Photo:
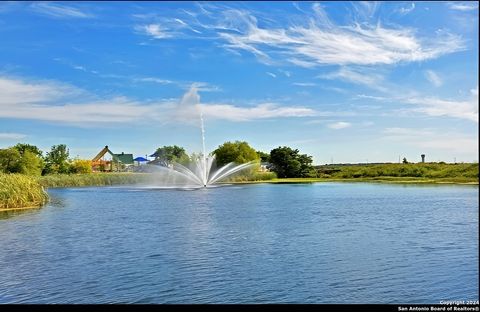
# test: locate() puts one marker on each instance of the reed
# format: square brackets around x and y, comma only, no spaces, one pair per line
[91,179]
[20,191]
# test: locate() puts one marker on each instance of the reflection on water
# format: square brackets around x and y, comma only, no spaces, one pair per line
[317,243]
[54,201]
[17,212]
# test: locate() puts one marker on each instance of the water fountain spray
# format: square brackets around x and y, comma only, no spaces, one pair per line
[198,173]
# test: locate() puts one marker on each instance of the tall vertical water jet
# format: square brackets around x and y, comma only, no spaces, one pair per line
[198,173]
[204,153]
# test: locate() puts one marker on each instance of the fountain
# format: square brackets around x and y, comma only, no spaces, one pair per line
[200,171]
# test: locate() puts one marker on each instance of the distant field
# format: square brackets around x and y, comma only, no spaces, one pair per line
[435,171]
[391,173]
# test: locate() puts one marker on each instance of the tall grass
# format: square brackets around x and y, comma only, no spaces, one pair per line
[92,179]
[420,170]
[20,191]
[256,176]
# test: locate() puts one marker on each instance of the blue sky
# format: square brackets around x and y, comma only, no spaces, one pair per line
[341,81]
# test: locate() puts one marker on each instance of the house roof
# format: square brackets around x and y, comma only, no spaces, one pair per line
[127,159]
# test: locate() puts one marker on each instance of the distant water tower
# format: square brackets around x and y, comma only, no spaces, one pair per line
[423,158]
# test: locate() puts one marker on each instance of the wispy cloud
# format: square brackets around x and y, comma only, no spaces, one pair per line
[154,80]
[312,39]
[285,72]
[304,84]
[323,42]
[12,136]
[463,6]
[371,97]
[339,125]
[407,9]
[262,111]
[432,106]
[465,108]
[272,74]
[364,77]
[434,78]
[401,132]
[54,102]
[59,10]
[154,30]
[429,139]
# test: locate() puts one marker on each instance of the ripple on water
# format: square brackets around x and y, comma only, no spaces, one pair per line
[335,243]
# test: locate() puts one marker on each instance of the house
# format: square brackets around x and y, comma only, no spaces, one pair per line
[108,161]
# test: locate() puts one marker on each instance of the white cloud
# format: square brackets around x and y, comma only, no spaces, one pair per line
[436,107]
[432,106]
[272,74]
[285,72]
[17,92]
[11,136]
[322,42]
[154,30]
[53,102]
[401,132]
[339,125]
[371,97]
[406,10]
[304,84]
[59,11]
[309,39]
[463,6]
[56,102]
[262,111]
[155,80]
[428,139]
[433,78]
[366,78]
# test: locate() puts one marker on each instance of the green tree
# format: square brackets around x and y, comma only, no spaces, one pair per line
[169,154]
[404,160]
[31,163]
[10,160]
[238,152]
[264,157]
[22,147]
[56,160]
[289,163]
[25,162]
[81,166]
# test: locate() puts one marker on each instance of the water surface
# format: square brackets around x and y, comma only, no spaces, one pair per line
[293,243]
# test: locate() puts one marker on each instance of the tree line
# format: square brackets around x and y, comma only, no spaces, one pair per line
[28,159]
[284,161]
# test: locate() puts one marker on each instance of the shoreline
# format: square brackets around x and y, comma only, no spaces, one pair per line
[388,180]
[360,180]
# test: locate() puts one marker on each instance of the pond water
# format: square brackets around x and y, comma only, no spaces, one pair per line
[266,243]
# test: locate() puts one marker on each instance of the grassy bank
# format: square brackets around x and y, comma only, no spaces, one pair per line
[435,171]
[19,191]
[91,179]
[374,179]
[438,173]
